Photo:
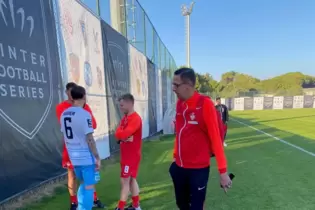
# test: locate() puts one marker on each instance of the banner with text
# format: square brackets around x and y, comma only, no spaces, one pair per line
[298,102]
[30,136]
[139,86]
[82,40]
[288,102]
[276,102]
[152,97]
[268,102]
[248,103]
[238,103]
[117,74]
[258,103]
[309,101]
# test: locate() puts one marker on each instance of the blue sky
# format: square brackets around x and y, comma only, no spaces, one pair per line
[263,38]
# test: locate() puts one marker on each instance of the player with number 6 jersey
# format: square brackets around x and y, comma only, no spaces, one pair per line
[66,163]
[77,129]
[129,136]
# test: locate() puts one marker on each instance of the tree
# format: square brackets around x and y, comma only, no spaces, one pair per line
[233,84]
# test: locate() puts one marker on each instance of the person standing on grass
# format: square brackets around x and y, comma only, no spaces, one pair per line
[77,128]
[66,163]
[224,114]
[129,135]
[197,137]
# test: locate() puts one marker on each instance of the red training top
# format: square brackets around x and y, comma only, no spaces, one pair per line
[197,134]
[130,125]
[60,108]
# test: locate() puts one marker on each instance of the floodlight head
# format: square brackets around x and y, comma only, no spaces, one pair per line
[184,10]
[187,10]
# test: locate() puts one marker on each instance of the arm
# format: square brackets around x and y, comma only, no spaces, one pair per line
[220,123]
[227,116]
[175,142]
[59,111]
[211,120]
[88,108]
[88,130]
[133,125]
[175,148]
[92,145]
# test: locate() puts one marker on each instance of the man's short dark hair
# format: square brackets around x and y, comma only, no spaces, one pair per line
[70,85]
[218,98]
[127,97]
[186,74]
[78,92]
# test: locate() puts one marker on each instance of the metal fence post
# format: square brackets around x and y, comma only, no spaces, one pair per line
[145,34]
[153,47]
[98,8]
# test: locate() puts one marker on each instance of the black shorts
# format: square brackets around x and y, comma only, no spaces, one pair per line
[190,186]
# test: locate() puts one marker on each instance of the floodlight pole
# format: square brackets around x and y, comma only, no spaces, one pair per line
[186,12]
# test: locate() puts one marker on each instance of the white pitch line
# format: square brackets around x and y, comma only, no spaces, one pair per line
[276,138]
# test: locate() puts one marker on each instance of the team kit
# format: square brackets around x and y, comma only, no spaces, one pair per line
[81,159]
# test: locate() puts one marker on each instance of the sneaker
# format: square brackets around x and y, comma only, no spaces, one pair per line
[73,206]
[225,145]
[129,207]
[98,204]
[132,208]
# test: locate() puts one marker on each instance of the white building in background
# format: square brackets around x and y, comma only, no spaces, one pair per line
[309,91]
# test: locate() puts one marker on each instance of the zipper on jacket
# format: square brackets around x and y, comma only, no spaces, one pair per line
[179,136]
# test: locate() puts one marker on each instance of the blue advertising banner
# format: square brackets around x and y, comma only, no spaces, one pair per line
[30,136]
[152,97]
[117,74]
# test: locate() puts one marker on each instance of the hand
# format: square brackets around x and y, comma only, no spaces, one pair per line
[225,181]
[98,164]
[130,139]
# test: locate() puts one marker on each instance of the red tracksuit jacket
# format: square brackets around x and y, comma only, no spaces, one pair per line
[130,125]
[197,134]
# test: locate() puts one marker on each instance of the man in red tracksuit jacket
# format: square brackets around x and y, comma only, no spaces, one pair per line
[66,163]
[129,136]
[197,137]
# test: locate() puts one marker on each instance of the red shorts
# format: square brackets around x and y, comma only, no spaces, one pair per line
[129,170]
[66,163]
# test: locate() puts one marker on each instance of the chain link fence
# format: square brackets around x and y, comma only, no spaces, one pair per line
[137,27]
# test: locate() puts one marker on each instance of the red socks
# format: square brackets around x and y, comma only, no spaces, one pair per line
[121,205]
[73,199]
[135,201]
[95,196]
